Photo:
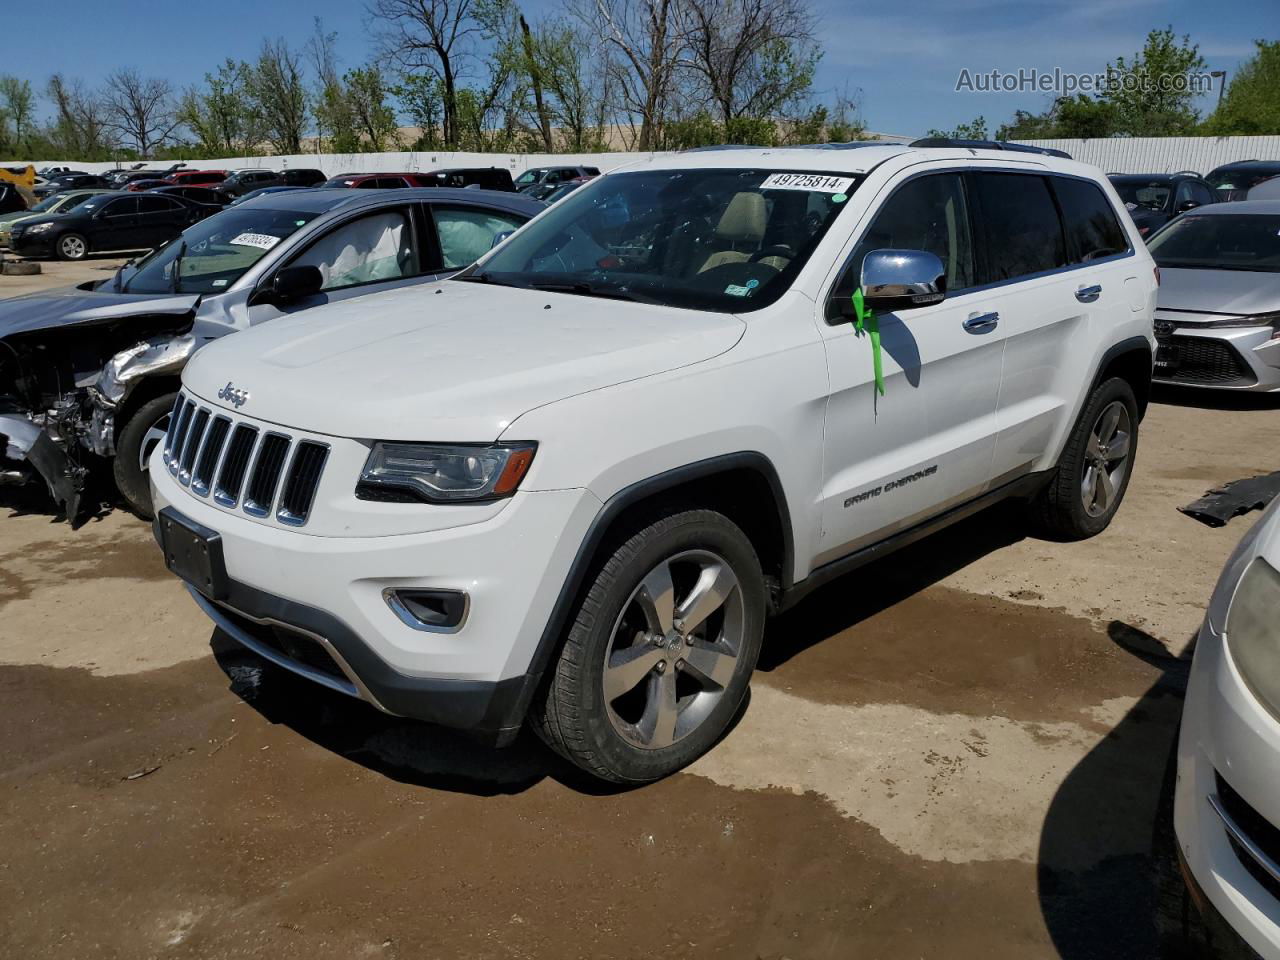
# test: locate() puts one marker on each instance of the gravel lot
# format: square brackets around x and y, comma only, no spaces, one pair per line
[958,753]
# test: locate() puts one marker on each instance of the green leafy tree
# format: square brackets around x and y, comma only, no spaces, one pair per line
[17,114]
[1251,105]
[281,96]
[375,121]
[975,129]
[422,103]
[1151,95]
[222,115]
[1079,117]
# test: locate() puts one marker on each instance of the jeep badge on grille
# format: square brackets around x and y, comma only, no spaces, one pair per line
[233,395]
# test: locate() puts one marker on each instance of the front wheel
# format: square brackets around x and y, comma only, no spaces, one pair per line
[72,246]
[1094,470]
[660,652]
[135,442]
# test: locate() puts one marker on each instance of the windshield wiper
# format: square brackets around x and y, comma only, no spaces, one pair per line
[175,272]
[585,289]
[483,277]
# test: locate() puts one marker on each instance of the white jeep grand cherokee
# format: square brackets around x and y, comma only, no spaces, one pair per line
[571,484]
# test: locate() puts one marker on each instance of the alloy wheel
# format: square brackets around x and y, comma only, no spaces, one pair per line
[1106,459]
[72,248]
[674,649]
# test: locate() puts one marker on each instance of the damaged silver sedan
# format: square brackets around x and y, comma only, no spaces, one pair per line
[89,375]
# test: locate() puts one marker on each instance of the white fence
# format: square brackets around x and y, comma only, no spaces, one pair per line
[1113,155]
[1165,154]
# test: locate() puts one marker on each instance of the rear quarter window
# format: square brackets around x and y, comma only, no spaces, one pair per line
[1092,228]
[1018,221]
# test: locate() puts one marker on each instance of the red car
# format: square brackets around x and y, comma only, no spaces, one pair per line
[196,178]
[379,181]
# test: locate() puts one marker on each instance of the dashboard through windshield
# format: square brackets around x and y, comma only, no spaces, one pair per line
[729,240]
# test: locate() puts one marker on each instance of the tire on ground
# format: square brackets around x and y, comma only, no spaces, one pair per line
[131,479]
[1058,511]
[570,714]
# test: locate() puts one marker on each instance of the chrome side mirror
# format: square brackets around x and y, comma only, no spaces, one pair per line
[901,279]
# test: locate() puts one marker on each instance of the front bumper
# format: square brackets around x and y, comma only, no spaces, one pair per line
[328,592]
[1231,358]
[1226,805]
[32,245]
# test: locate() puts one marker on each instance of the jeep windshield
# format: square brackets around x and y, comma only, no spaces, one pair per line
[722,239]
[214,253]
[1220,242]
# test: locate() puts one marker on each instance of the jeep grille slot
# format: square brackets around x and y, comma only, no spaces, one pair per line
[301,483]
[265,476]
[179,434]
[174,416]
[192,445]
[202,475]
[227,490]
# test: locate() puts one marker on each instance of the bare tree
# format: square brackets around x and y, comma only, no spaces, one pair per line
[139,110]
[754,57]
[282,95]
[643,35]
[79,124]
[430,35]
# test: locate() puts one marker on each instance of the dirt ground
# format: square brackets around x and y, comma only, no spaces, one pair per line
[958,753]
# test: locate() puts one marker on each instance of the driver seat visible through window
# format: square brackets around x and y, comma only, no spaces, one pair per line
[740,230]
[377,247]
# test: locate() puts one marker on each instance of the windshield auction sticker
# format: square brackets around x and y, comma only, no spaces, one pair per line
[816,182]
[263,240]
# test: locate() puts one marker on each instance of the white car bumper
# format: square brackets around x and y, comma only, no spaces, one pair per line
[330,591]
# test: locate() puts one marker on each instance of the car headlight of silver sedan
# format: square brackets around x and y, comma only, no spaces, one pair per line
[1253,631]
[444,473]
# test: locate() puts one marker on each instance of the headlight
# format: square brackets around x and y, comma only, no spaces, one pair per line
[1253,631]
[444,473]
[1271,320]
[39,227]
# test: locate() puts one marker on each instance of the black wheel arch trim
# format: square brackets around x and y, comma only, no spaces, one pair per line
[556,625]
[1114,352]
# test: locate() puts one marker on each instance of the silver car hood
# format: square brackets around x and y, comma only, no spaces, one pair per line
[1234,293]
[69,306]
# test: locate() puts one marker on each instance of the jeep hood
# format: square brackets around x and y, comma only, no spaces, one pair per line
[1234,293]
[454,361]
[69,306]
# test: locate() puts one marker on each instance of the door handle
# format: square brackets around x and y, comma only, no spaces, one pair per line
[981,322]
[1089,294]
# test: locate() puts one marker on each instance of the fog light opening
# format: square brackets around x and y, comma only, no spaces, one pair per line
[421,609]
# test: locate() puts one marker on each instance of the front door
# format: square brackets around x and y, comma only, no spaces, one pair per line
[893,461]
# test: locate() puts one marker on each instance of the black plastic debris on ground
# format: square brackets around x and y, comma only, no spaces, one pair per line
[1222,503]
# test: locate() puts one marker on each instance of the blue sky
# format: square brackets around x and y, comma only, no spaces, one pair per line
[904,56]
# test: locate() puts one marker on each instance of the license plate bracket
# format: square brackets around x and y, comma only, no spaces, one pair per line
[193,552]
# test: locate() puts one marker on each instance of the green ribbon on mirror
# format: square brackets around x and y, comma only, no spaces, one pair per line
[866,322]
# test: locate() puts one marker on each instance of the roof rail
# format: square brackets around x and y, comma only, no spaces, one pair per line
[845,145]
[1192,173]
[989,145]
[723,146]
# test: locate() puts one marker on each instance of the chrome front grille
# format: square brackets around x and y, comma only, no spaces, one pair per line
[264,473]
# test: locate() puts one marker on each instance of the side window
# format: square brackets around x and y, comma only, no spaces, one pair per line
[372,183]
[1183,195]
[372,248]
[466,234]
[155,204]
[928,213]
[123,207]
[1019,224]
[1092,228]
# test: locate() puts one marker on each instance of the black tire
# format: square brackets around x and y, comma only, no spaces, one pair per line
[571,714]
[72,246]
[131,479]
[1059,510]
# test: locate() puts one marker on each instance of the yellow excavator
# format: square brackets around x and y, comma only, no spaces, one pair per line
[24,178]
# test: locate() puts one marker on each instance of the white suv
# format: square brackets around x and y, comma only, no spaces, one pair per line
[570,485]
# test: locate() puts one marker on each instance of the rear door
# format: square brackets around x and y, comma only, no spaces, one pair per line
[465,233]
[891,462]
[160,219]
[1055,250]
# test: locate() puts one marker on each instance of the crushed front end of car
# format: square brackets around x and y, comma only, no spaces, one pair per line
[68,363]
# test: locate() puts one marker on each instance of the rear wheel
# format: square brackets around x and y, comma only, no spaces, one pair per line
[135,442]
[660,652]
[1094,470]
[72,246]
